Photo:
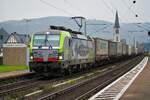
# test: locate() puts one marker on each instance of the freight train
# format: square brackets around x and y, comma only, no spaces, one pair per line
[60,51]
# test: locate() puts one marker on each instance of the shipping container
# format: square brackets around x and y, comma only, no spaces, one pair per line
[112,49]
[140,49]
[129,50]
[119,49]
[101,49]
[124,49]
[136,50]
[132,50]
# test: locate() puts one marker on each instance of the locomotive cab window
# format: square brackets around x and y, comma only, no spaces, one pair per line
[39,40]
[53,40]
[46,40]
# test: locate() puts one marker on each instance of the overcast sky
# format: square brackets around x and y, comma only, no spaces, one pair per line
[92,9]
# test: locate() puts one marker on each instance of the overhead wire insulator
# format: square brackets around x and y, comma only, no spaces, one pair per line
[136,15]
[134,1]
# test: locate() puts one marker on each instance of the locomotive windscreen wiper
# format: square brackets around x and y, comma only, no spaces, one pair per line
[50,46]
[40,46]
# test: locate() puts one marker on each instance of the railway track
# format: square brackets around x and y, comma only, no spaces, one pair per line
[16,90]
[86,88]
[11,87]
[25,86]
[15,78]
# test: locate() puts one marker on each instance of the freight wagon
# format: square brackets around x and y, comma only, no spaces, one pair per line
[124,49]
[129,50]
[119,49]
[132,50]
[101,49]
[112,49]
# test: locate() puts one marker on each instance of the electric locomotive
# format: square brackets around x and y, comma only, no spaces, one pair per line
[60,51]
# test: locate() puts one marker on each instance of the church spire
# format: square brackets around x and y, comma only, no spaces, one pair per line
[116,32]
[116,21]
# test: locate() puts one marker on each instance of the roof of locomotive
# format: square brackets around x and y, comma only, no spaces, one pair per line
[59,29]
[48,31]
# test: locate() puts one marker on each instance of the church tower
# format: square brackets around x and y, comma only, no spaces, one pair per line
[116,32]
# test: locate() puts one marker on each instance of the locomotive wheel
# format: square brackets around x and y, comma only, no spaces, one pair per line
[69,70]
[78,68]
[62,72]
[65,72]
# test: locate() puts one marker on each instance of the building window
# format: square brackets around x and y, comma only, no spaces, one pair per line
[117,31]
[117,38]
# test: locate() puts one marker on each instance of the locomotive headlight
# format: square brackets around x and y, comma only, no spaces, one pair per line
[60,57]
[31,57]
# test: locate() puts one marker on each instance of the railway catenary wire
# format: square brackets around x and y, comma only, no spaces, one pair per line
[59,9]
[79,89]
[122,16]
[140,19]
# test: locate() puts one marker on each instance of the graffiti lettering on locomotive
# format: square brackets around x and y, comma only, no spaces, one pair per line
[79,48]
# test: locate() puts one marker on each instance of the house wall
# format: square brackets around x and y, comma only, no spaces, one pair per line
[15,55]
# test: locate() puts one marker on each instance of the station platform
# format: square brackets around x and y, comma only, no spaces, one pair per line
[140,88]
[13,74]
[134,85]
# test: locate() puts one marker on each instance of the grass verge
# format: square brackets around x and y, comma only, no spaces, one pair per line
[7,68]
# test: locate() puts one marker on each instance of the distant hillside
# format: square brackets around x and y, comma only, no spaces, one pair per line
[104,30]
